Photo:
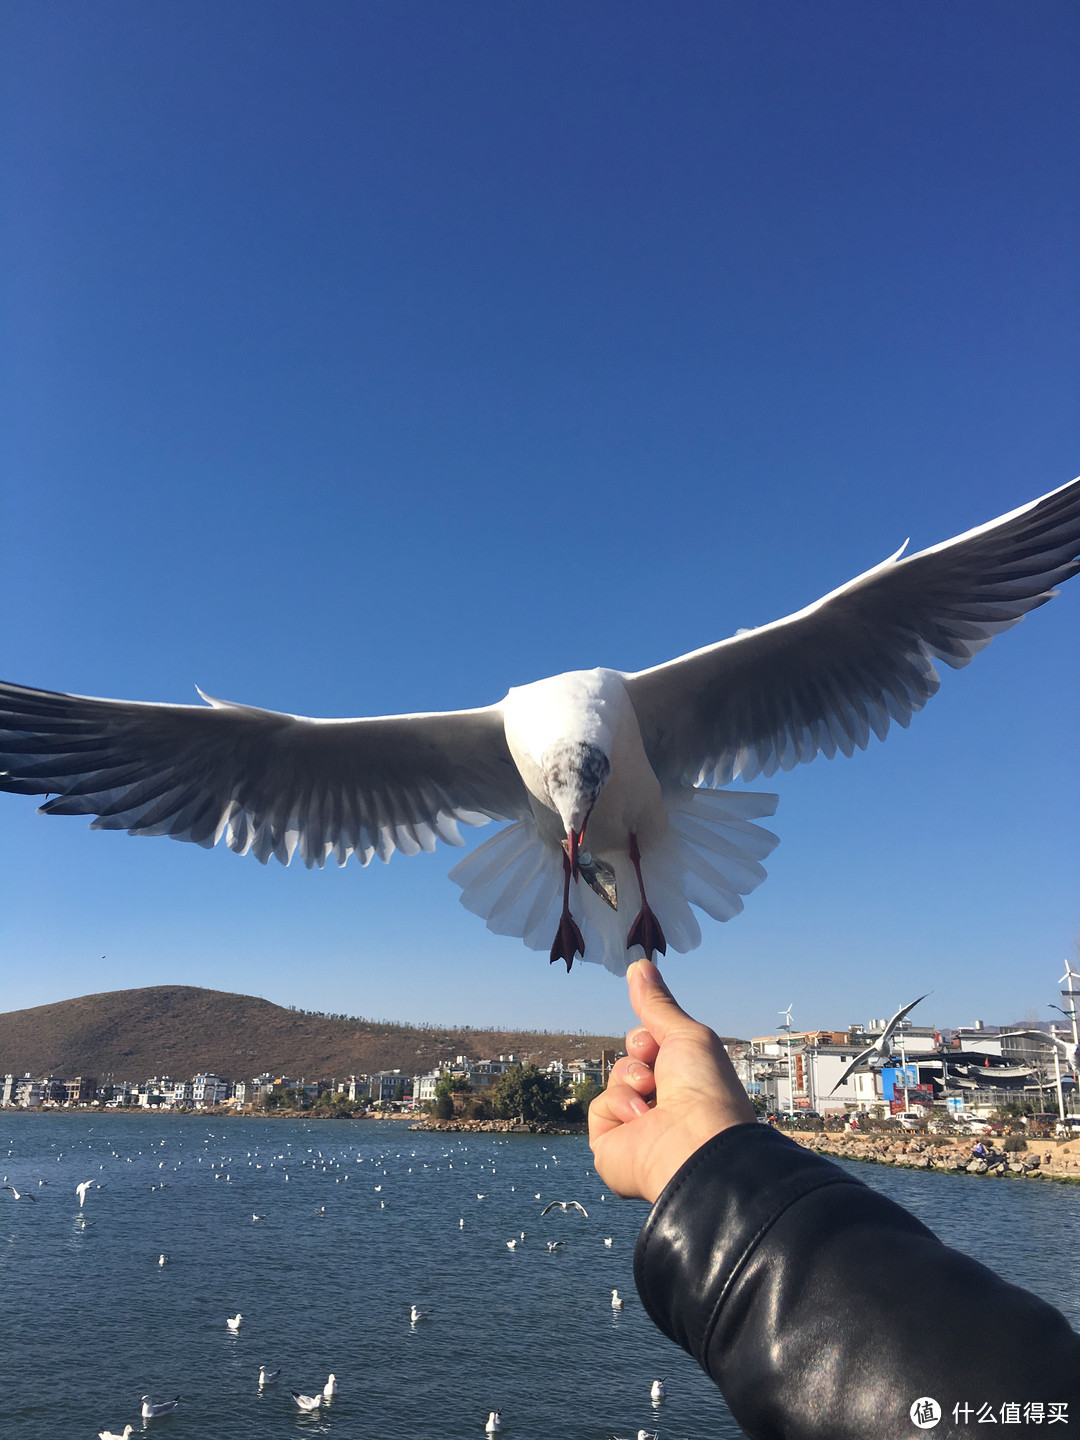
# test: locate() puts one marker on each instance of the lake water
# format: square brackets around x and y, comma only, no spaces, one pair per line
[90,1321]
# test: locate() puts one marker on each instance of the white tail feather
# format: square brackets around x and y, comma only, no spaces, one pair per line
[710,857]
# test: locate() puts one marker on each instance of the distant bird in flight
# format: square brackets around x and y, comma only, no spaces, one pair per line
[628,758]
[564,1206]
[882,1047]
[20,1194]
[81,1190]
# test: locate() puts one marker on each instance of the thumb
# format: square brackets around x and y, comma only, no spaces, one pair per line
[653,1002]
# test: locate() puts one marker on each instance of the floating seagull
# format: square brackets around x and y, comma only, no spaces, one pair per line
[306,1402]
[233,1322]
[624,756]
[81,1190]
[658,1390]
[565,1206]
[111,1435]
[20,1194]
[330,1388]
[554,1245]
[616,1300]
[416,1315]
[256,1217]
[268,1377]
[494,1422]
[151,1412]
[607,1242]
[163,1259]
[882,1048]
[511,1244]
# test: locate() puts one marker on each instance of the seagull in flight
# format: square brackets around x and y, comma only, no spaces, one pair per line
[618,830]
[81,1190]
[565,1206]
[882,1048]
[20,1194]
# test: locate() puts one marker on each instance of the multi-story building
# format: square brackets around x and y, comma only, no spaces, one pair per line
[208,1090]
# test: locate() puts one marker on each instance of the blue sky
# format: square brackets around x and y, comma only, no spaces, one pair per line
[372,358]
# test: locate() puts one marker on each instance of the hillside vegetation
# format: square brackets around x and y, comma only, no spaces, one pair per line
[178,1030]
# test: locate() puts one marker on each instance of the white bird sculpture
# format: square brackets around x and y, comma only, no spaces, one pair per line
[233,1322]
[882,1047]
[81,1190]
[624,757]
[306,1402]
[166,1407]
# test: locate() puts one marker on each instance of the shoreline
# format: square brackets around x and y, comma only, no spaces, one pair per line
[1057,1160]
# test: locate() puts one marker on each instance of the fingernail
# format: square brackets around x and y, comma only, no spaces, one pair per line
[638,1105]
[637,1072]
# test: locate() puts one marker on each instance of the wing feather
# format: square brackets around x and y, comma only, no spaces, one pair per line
[845,668]
[271,784]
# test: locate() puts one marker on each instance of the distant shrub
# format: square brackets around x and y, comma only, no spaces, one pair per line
[1014,1142]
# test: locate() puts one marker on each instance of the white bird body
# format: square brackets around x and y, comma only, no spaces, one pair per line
[20,1194]
[163,1259]
[616,1300]
[494,1422]
[268,1377]
[658,1390]
[233,1322]
[882,1047]
[306,1402]
[111,1435]
[165,1407]
[81,1190]
[605,776]
[416,1314]
[330,1388]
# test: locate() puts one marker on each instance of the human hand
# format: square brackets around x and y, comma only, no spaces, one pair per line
[675,1089]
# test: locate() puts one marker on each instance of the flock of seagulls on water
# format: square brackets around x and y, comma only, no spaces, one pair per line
[339,1169]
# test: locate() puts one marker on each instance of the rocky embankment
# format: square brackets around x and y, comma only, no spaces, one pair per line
[1042,1159]
[497,1127]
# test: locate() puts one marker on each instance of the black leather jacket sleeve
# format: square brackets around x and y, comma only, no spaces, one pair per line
[822,1309]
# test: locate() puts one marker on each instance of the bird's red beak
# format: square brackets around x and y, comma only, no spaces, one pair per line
[574,841]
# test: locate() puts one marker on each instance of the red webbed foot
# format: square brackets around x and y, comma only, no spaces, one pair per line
[568,941]
[646,932]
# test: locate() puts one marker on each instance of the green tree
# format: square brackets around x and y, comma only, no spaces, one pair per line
[444,1106]
[525,1092]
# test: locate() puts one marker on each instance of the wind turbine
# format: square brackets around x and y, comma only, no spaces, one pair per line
[790,1074]
[882,1046]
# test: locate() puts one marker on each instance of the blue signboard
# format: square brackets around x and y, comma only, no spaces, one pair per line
[895,1077]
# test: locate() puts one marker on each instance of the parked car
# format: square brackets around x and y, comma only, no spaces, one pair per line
[909,1119]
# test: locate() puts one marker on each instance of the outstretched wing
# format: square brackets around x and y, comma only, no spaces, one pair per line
[863,1055]
[895,1021]
[827,677]
[270,783]
[576,1205]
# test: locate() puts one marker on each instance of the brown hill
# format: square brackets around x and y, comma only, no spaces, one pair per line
[178,1030]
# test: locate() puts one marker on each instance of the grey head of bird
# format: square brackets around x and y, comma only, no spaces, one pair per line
[574,772]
